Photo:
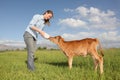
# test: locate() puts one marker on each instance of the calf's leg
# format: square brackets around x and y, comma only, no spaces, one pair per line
[95,63]
[70,59]
[98,59]
[101,64]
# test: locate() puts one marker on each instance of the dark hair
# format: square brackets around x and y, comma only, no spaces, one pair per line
[47,22]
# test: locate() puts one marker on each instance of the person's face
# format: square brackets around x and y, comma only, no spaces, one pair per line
[47,16]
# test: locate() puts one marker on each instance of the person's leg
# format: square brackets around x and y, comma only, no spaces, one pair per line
[35,47]
[30,45]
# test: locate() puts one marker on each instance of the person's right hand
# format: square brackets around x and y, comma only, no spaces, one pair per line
[46,35]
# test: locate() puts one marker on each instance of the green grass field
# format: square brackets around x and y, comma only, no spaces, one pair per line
[52,65]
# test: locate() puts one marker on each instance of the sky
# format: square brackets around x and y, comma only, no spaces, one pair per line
[73,19]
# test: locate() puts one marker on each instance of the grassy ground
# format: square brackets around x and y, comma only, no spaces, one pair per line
[52,65]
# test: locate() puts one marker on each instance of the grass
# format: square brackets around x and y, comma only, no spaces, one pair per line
[52,65]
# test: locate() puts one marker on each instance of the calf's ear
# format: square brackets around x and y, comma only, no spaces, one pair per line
[59,38]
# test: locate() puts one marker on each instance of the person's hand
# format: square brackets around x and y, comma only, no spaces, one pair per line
[46,35]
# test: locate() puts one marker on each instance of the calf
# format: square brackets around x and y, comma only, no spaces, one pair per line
[80,47]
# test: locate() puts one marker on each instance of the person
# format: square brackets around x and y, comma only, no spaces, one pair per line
[34,28]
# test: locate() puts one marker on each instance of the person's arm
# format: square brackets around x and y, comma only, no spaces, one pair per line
[45,35]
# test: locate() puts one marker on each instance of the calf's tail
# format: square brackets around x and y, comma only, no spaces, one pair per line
[100,48]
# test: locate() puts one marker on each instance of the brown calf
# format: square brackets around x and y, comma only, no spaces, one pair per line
[80,47]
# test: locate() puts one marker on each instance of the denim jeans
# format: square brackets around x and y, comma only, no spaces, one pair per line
[31,47]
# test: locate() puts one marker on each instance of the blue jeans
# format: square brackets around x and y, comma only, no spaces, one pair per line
[31,48]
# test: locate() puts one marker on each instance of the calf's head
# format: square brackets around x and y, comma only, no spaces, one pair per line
[56,39]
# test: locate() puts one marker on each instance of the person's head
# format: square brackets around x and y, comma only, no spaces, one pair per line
[47,16]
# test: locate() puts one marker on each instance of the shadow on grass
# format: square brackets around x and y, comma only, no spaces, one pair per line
[63,64]
[75,65]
